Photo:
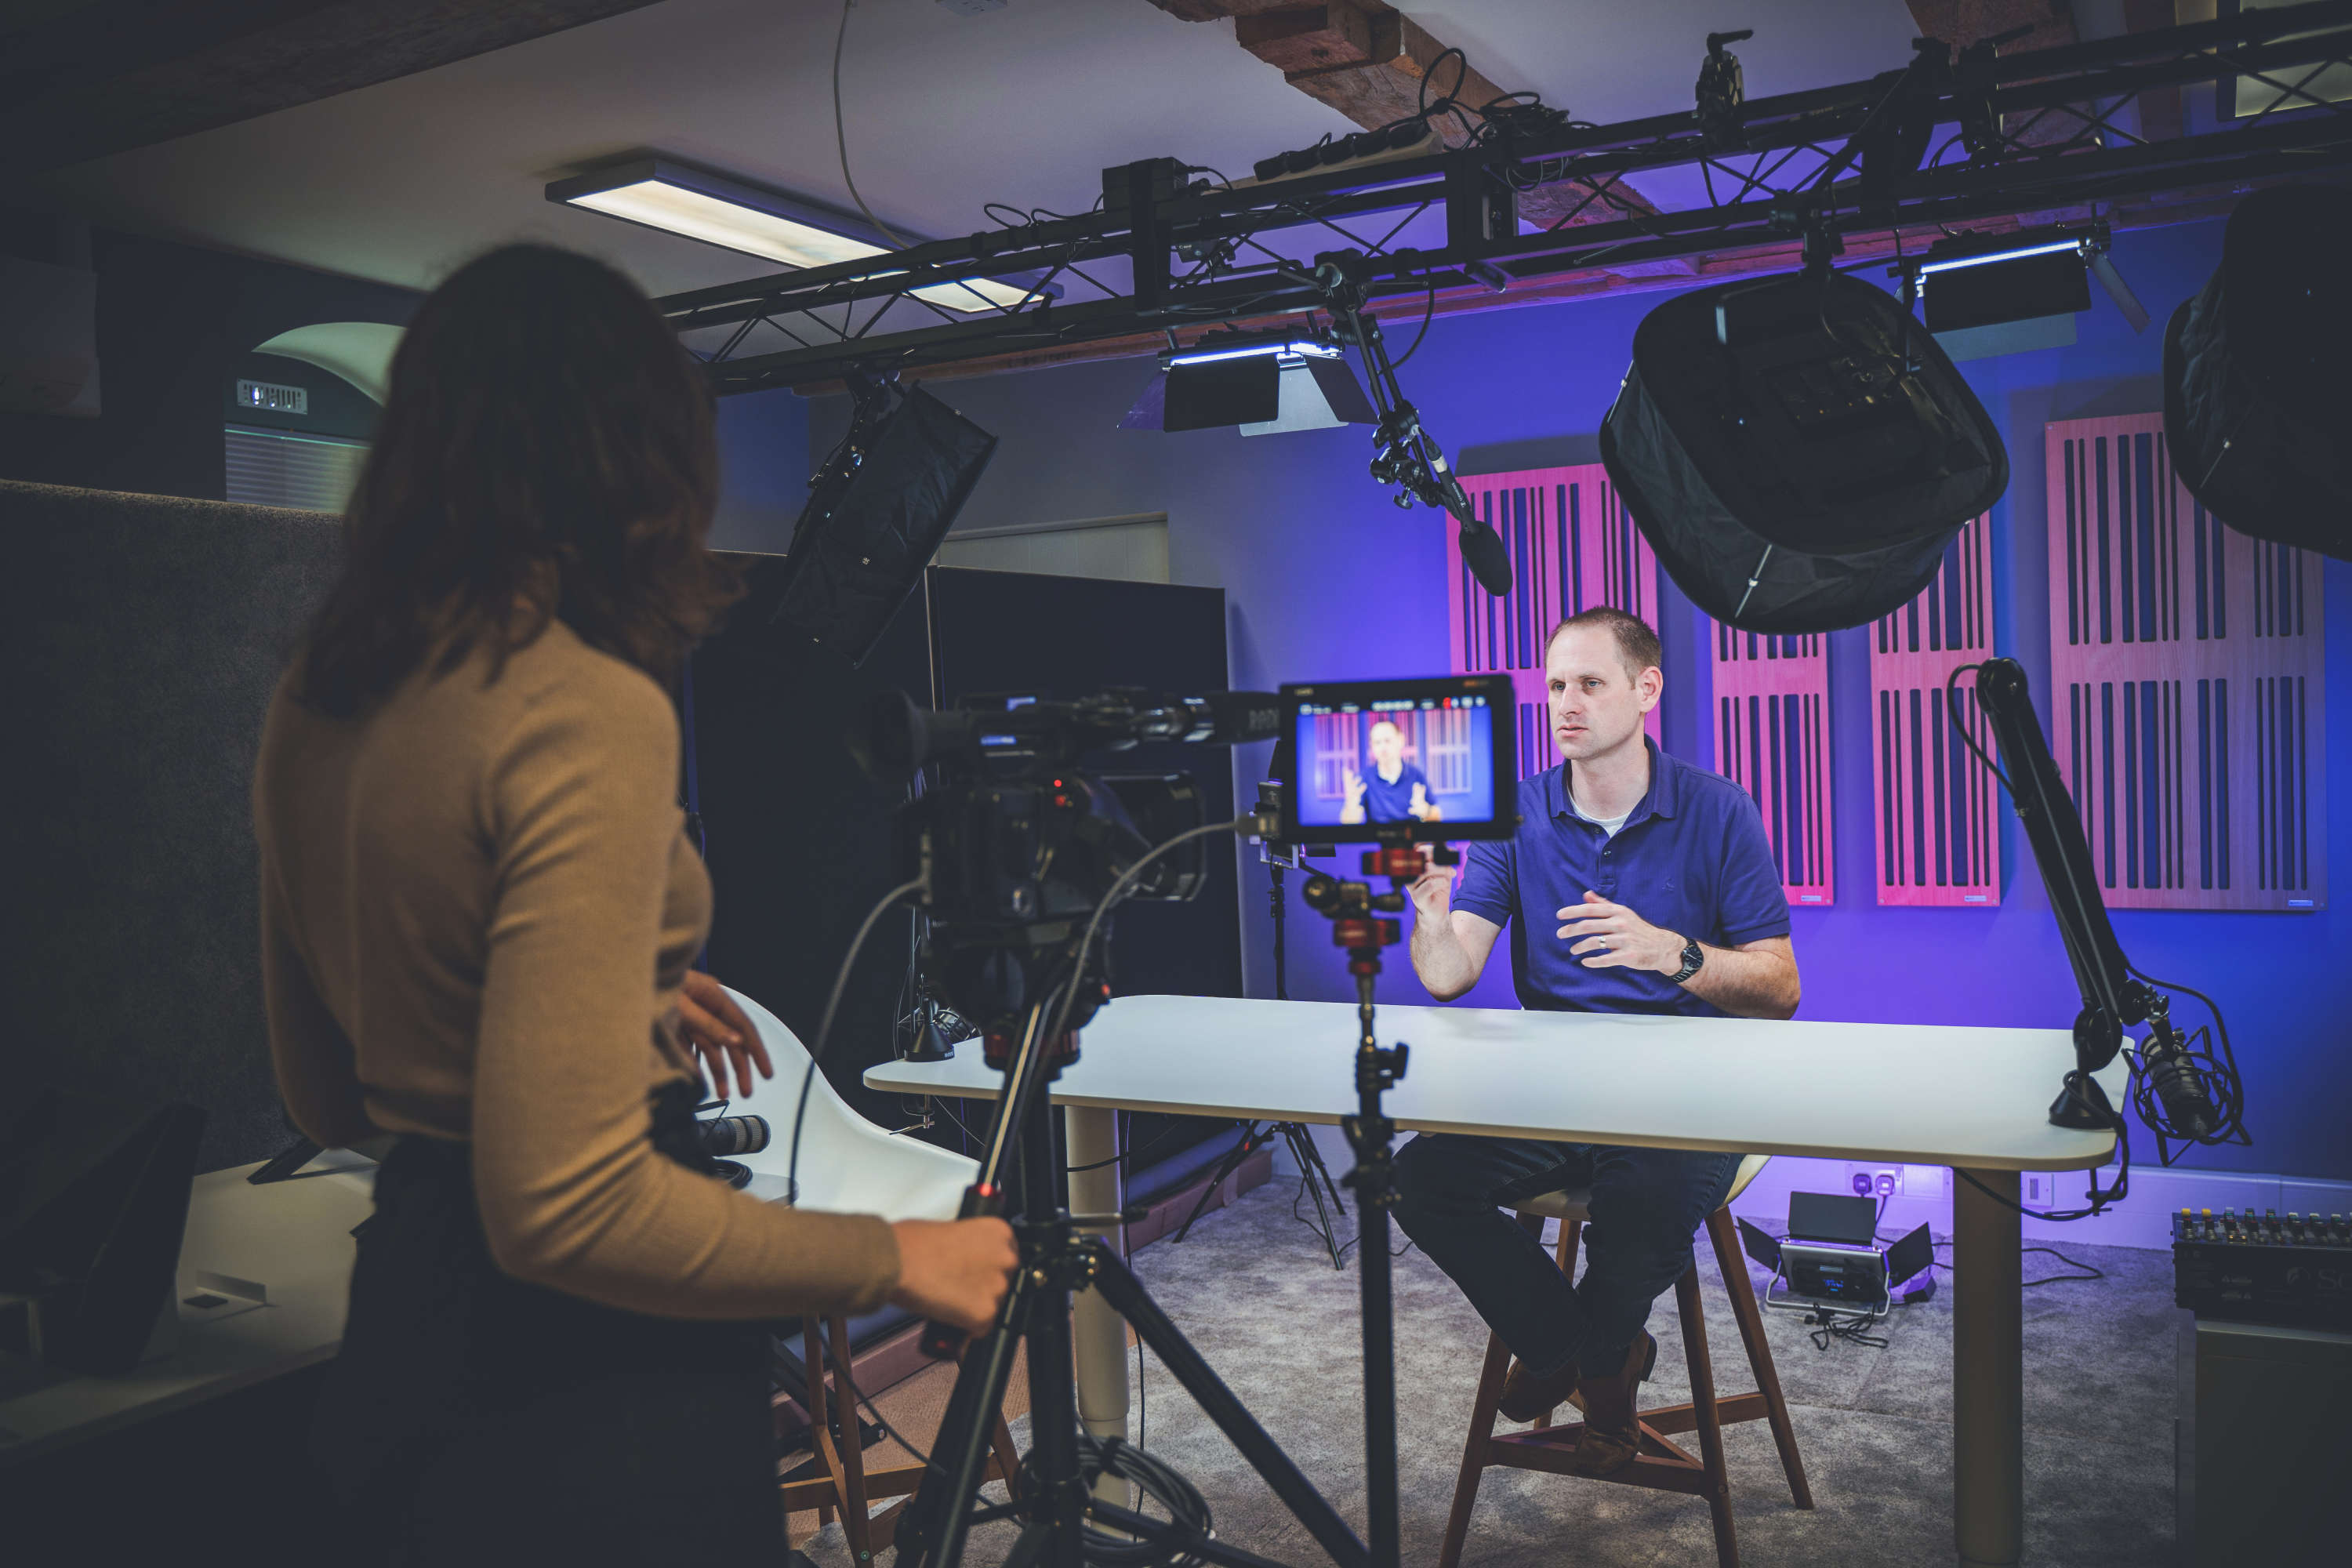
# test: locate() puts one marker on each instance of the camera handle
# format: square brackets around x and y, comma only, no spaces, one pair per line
[1363,922]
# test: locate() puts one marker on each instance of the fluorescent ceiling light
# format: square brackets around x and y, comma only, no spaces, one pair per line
[676,199]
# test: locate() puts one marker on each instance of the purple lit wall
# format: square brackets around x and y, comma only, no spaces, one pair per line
[1325,579]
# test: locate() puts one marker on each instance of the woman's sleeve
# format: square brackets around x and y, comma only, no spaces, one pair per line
[582,811]
[317,1074]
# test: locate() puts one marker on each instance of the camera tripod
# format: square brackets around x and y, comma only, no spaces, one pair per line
[1054,1503]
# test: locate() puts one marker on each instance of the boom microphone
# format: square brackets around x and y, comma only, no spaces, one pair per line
[2178,1086]
[723,1136]
[1483,550]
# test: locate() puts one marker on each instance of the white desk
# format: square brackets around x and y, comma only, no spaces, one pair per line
[1977,1100]
[291,1238]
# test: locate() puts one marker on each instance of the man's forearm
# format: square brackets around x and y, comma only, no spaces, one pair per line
[1440,961]
[1746,984]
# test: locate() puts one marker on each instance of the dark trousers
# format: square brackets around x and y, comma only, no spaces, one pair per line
[1646,1205]
[473,1419]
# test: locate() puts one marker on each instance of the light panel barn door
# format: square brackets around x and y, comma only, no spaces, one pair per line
[2187,698]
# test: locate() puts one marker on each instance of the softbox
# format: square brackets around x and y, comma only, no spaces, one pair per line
[876,516]
[1798,450]
[2257,403]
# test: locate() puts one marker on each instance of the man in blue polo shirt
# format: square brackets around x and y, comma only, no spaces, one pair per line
[1394,789]
[1636,884]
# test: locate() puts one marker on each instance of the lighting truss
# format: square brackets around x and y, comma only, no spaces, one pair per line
[1943,141]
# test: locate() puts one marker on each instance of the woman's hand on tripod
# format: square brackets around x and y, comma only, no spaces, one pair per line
[955,1271]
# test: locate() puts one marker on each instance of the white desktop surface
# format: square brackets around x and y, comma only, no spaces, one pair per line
[1928,1094]
[1976,1099]
[291,1238]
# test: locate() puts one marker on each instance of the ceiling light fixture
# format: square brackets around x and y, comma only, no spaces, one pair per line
[2007,293]
[1263,383]
[655,193]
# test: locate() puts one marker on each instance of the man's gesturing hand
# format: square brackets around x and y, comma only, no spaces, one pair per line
[1611,936]
[955,1271]
[1433,893]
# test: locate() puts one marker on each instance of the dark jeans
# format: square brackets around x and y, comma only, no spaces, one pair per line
[1646,1205]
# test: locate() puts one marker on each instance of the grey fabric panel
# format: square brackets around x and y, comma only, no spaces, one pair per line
[144,635]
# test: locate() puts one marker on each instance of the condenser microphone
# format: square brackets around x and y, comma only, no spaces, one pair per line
[2179,1086]
[1484,553]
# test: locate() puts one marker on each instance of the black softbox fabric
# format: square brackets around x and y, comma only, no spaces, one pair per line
[1798,451]
[876,518]
[2257,403]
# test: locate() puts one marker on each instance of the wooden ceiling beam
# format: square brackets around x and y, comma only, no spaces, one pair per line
[1373,64]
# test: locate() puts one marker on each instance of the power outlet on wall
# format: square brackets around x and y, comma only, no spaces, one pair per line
[2039,1188]
[1897,1181]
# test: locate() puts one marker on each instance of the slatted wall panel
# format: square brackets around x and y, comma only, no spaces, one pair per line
[2188,696]
[1772,739]
[1572,546]
[1938,808]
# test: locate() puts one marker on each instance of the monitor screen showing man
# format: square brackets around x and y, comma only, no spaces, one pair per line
[1401,760]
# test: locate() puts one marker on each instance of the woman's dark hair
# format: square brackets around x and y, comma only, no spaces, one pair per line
[546,452]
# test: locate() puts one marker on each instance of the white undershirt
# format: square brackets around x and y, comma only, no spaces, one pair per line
[1609,826]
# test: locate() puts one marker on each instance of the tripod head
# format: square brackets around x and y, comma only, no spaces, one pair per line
[1360,918]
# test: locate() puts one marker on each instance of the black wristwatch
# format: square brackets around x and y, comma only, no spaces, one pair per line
[1693,956]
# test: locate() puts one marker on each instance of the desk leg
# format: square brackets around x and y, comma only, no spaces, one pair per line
[1090,1136]
[1988,1373]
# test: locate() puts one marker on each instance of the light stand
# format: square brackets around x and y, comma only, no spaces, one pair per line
[1357,924]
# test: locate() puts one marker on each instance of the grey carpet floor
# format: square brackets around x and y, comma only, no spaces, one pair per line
[1252,1290]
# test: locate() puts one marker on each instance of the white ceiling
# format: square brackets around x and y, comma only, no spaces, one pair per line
[401,182]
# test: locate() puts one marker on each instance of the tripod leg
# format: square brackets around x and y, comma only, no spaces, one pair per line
[1126,1293]
[1303,1152]
[931,1531]
[1225,1167]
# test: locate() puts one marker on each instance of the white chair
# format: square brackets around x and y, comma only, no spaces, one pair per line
[848,1165]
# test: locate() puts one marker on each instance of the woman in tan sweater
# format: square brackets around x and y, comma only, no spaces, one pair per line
[478,912]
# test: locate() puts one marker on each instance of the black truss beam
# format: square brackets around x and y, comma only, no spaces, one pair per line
[1993,183]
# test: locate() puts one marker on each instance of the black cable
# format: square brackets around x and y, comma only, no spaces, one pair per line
[824,1028]
[841,138]
[1154,1479]
[1165,1134]
[849,1426]
[1426,313]
[2087,1271]
[1117,891]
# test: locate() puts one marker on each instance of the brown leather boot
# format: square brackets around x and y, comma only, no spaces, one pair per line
[1612,1432]
[1527,1396]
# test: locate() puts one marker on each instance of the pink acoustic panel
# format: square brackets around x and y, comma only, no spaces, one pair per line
[2188,700]
[1772,739]
[1938,808]
[1572,546]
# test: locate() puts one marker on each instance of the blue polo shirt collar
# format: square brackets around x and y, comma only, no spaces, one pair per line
[1662,798]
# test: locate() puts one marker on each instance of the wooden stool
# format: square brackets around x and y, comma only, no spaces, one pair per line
[844,1486]
[1660,1463]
